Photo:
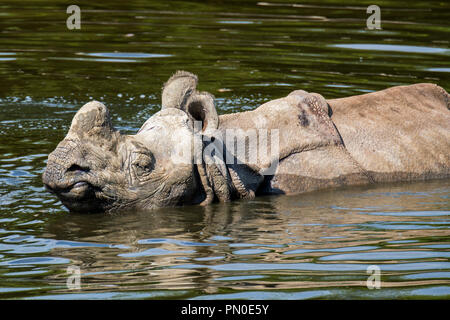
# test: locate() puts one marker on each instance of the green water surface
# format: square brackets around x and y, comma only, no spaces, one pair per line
[316,245]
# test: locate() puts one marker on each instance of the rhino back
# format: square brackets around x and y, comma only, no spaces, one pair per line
[401,133]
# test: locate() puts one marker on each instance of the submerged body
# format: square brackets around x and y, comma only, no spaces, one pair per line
[398,134]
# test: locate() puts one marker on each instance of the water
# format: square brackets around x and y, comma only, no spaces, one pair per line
[316,245]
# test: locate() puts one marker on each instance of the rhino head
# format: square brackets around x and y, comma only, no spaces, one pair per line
[96,168]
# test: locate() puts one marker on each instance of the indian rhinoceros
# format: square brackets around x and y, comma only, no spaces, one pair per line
[182,154]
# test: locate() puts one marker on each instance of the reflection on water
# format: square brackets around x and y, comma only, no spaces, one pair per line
[316,245]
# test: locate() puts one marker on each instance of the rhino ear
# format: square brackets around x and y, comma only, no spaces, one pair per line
[178,89]
[179,92]
[200,107]
[92,120]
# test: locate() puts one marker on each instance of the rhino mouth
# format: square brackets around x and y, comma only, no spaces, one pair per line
[78,197]
[76,191]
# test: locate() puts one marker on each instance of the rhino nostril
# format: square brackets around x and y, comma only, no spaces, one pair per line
[76,167]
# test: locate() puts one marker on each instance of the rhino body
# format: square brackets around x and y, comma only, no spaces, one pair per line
[182,154]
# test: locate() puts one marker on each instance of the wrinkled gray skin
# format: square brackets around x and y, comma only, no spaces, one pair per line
[398,134]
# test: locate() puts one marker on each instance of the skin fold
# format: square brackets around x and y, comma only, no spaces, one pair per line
[184,155]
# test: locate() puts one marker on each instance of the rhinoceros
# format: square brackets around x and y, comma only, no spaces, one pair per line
[183,154]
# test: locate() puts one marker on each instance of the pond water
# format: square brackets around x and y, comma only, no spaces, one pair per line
[316,245]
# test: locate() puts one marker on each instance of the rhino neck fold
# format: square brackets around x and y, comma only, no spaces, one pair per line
[226,181]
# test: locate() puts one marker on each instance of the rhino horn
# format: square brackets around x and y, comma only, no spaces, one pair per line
[92,121]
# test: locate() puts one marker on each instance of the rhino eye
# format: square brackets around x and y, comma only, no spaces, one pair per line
[142,165]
